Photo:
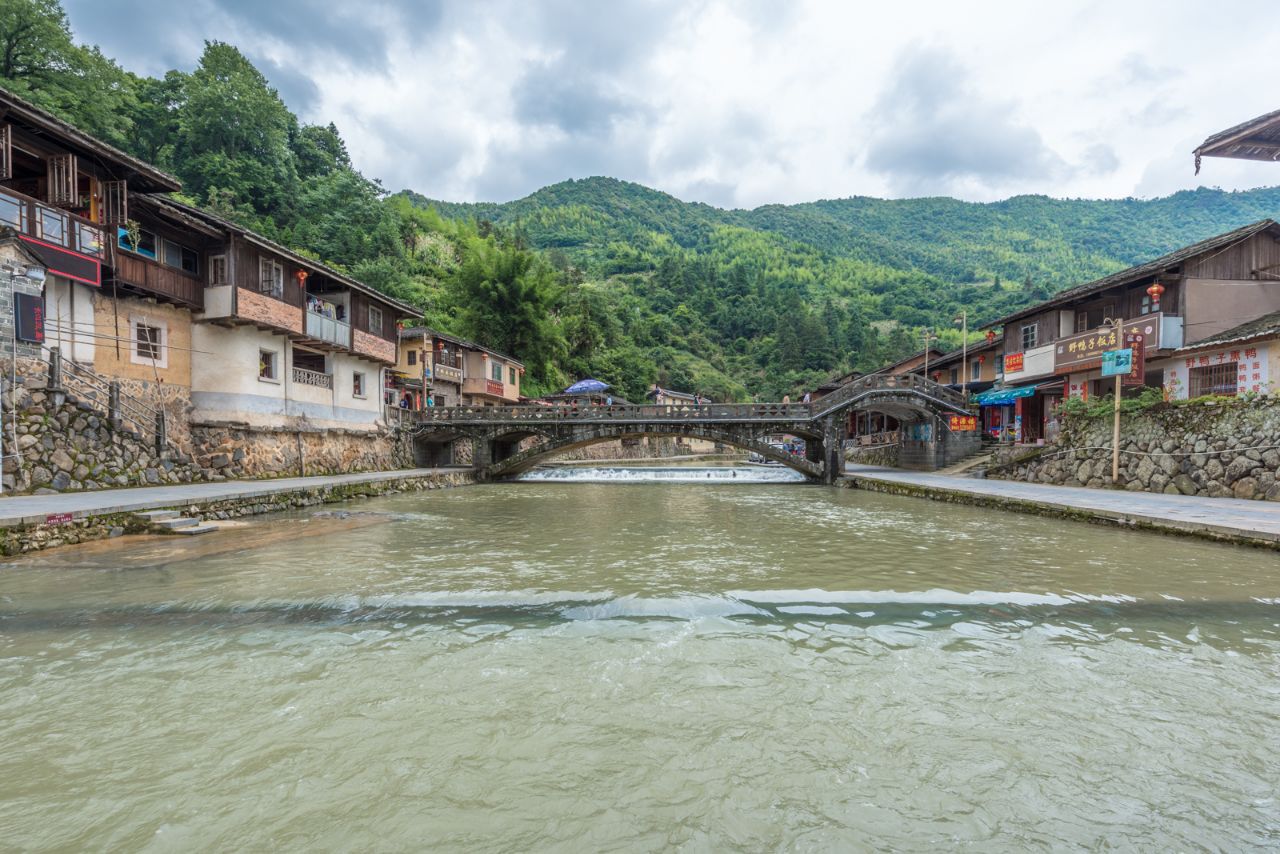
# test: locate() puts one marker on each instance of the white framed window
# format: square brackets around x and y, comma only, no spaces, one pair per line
[357,384]
[375,320]
[975,370]
[1029,336]
[219,274]
[270,277]
[149,342]
[268,366]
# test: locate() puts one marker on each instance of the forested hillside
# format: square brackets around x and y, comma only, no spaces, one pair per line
[601,277]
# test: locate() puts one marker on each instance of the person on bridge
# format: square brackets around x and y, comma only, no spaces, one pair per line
[806,397]
[786,398]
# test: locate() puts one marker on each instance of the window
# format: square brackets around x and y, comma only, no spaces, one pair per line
[975,370]
[148,342]
[145,246]
[88,239]
[413,357]
[1214,379]
[1144,305]
[13,212]
[53,225]
[1029,336]
[177,255]
[218,273]
[270,278]
[496,372]
[268,369]
[375,320]
[511,375]
[357,384]
[1082,321]
[955,375]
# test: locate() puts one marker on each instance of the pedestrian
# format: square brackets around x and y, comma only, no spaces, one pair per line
[608,401]
[806,397]
[786,398]
[405,401]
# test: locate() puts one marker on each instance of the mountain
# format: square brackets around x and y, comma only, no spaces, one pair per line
[1056,242]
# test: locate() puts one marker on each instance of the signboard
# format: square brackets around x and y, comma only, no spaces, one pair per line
[1012,363]
[28,315]
[493,387]
[58,519]
[64,262]
[1083,351]
[1138,372]
[963,423]
[1115,362]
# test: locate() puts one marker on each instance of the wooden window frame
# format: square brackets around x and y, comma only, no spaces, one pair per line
[268,365]
[270,277]
[141,350]
[1035,336]
[6,152]
[216,261]
[359,388]
[375,326]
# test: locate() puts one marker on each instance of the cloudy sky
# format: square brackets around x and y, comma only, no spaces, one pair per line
[746,103]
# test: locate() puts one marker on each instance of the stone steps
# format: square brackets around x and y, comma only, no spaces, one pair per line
[172,522]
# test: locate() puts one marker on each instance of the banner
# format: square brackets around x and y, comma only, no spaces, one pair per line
[1138,373]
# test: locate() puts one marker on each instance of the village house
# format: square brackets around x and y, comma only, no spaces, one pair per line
[236,340]
[1054,349]
[448,371]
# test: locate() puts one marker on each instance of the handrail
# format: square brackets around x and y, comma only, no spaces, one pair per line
[122,409]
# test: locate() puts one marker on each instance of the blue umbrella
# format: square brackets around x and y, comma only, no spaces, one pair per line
[586,387]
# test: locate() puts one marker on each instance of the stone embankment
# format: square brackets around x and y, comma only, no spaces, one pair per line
[52,446]
[230,451]
[1218,449]
[873,455]
[31,526]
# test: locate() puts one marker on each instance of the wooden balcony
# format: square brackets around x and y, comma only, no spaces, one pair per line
[69,246]
[324,331]
[165,282]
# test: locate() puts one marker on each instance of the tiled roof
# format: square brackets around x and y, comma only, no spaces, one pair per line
[1266,326]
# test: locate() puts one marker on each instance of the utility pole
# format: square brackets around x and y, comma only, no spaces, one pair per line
[963,320]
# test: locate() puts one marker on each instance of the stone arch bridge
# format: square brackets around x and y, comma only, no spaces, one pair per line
[497,432]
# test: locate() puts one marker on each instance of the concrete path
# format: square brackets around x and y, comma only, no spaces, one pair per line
[35,509]
[1256,522]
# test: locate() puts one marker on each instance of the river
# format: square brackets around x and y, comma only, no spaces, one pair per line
[581,663]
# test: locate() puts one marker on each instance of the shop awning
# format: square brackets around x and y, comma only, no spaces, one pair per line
[1003,396]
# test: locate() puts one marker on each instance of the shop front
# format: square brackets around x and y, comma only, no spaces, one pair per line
[1022,414]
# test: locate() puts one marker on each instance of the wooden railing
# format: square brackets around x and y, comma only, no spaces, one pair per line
[52,224]
[921,386]
[159,279]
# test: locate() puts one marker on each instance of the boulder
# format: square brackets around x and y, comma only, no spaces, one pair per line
[62,460]
[1183,484]
[61,481]
[1247,488]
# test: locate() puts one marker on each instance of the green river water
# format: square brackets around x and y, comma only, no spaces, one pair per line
[589,666]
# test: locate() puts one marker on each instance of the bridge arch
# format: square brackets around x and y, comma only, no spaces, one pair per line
[521,461]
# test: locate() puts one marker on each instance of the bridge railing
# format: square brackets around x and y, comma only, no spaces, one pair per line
[891,382]
[618,412]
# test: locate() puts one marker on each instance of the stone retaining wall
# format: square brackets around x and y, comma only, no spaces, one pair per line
[225,451]
[873,455]
[1226,448]
[29,538]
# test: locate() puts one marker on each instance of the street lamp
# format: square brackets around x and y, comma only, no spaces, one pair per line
[928,336]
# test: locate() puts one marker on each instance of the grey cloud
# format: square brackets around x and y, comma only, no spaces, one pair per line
[721,194]
[935,130]
[516,171]
[572,99]
[1101,158]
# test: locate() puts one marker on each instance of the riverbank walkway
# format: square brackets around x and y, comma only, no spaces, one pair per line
[36,509]
[1229,519]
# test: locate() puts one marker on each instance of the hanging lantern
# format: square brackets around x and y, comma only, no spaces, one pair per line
[937,375]
[1155,291]
[982,359]
[991,335]
[301,276]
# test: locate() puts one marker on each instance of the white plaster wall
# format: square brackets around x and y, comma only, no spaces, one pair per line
[344,368]
[1254,363]
[69,321]
[224,375]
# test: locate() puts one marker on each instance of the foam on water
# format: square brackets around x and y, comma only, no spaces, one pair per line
[666,474]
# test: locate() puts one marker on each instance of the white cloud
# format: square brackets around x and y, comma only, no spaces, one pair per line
[747,103]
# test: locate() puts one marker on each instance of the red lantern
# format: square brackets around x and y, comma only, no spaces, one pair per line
[937,375]
[1155,291]
[301,276]
[991,335]
[982,359]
